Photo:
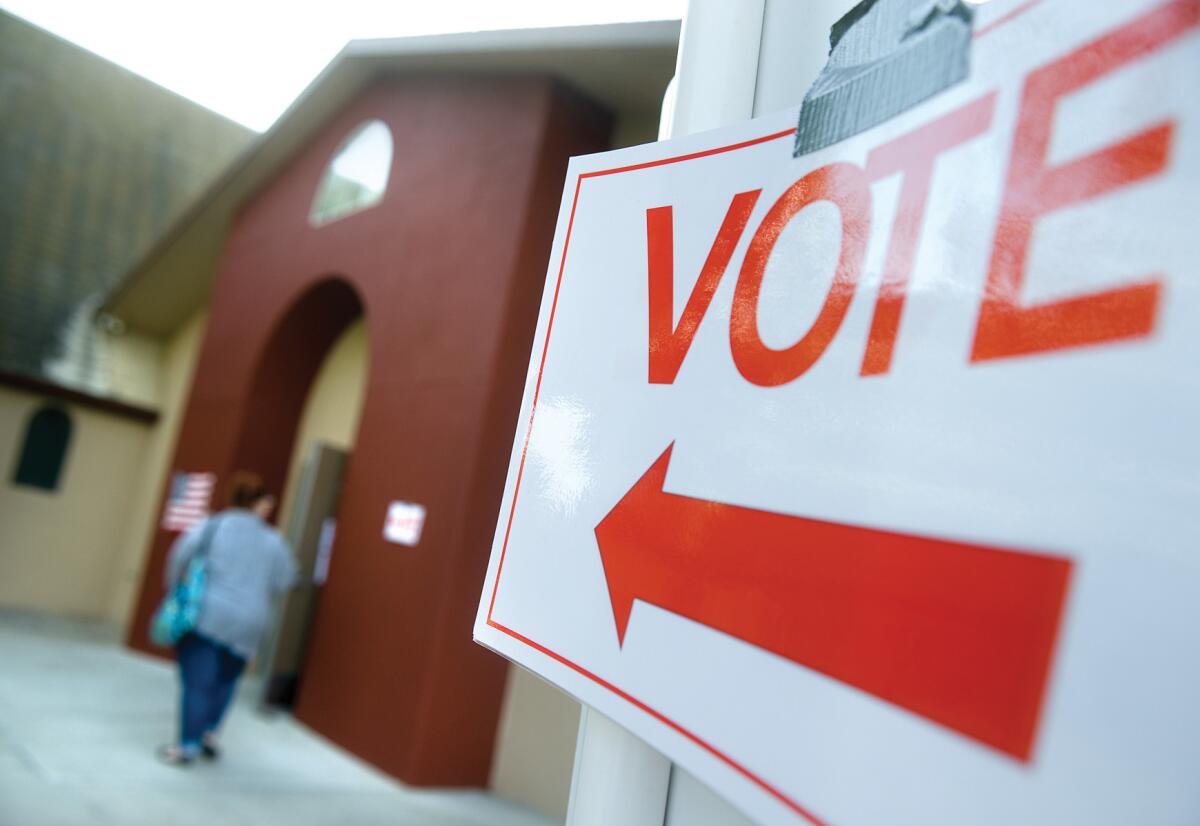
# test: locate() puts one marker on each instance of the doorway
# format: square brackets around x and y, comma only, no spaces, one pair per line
[324,441]
[310,531]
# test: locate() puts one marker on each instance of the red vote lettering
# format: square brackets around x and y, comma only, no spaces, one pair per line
[668,344]
[1033,189]
[913,155]
[1005,327]
[846,186]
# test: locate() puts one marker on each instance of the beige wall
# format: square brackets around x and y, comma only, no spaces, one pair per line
[135,369]
[175,365]
[632,131]
[78,551]
[535,744]
[57,548]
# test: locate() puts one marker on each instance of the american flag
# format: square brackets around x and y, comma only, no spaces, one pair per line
[188,501]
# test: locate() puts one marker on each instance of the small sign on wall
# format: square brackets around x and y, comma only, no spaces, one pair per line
[404,523]
[324,550]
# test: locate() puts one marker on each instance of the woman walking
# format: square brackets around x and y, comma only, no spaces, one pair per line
[247,562]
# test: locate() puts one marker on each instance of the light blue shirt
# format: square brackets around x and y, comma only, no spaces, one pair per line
[248,563]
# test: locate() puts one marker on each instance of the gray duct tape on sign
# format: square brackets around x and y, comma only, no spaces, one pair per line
[885,56]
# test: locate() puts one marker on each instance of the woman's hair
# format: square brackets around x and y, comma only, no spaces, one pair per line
[245,488]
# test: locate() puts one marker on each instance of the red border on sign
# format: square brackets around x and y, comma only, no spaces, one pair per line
[657,715]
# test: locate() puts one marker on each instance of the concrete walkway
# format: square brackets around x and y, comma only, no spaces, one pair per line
[80,718]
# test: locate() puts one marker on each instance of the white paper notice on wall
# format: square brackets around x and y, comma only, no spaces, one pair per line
[324,550]
[862,484]
[404,523]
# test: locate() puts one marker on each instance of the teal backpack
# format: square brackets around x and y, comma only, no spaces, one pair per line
[180,608]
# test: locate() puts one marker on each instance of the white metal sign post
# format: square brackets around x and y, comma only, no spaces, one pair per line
[862,483]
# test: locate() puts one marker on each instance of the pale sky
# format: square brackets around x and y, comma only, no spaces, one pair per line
[248,59]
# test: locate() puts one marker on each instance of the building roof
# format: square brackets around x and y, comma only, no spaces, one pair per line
[624,66]
[94,161]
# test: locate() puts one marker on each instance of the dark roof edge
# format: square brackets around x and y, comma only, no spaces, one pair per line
[44,387]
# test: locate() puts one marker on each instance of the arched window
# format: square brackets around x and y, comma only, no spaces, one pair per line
[45,449]
[357,176]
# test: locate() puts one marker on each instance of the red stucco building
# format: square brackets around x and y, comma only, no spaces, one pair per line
[446,265]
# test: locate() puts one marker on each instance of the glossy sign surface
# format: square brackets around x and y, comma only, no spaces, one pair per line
[863,483]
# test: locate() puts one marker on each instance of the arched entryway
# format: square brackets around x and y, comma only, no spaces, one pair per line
[449,265]
[299,341]
[298,431]
[308,510]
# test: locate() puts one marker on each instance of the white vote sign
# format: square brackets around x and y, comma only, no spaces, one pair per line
[865,484]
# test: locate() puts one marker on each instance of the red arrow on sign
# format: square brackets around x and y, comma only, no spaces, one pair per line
[960,634]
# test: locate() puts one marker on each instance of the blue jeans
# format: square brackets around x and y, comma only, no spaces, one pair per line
[209,672]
